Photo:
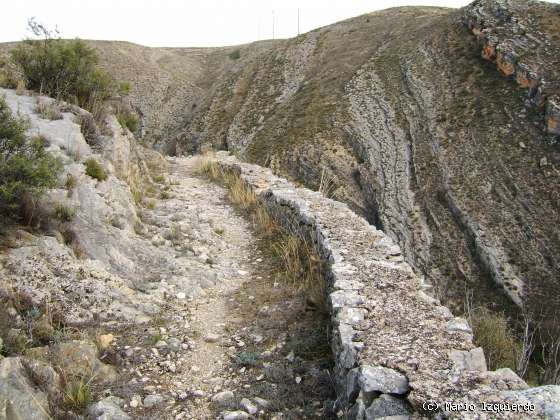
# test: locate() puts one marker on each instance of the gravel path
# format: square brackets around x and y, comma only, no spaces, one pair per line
[231,341]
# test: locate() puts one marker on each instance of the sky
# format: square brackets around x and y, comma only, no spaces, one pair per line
[188,23]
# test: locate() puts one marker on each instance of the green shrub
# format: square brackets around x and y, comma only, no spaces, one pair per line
[78,393]
[128,119]
[235,55]
[61,68]
[124,88]
[95,170]
[26,168]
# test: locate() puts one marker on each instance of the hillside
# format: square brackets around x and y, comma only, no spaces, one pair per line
[407,121]
[225,286]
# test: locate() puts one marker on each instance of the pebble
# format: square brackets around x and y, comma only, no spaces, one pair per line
[261,402]
[248,406]
[153,400]
[211,338]
[225,399]
[181,295]
[235,415]
[161,344]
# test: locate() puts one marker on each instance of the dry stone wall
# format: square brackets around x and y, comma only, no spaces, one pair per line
[397,351]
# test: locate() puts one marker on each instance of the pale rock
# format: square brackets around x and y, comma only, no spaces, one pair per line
[248,406]
[224,399]
[153,400]
[235,415]
[212,338]
[105,340]
[382,379]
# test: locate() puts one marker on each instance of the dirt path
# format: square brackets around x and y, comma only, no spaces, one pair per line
[231,341]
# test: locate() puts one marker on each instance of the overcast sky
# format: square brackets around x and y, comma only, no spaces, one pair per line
[187,23]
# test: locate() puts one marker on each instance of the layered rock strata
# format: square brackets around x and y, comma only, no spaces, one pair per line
[397,351]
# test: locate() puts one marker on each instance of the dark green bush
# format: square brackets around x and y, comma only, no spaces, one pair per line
[95,170]
[63,69]
[128,119]
[26,169]
[235,55]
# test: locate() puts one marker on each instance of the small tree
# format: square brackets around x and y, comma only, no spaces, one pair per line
[65,69]
[26,168]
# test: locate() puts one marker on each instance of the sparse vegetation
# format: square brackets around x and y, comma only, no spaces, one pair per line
[63,69]
[235,55]
[247,358]
[174,234]
[160,179]
[127,119]
[493,333]
[64,213]
[296,258]
[124,88]
[95,170]
[70,183]
[26,168]
[48,110]
[78,393]
[20,87]
[88,127]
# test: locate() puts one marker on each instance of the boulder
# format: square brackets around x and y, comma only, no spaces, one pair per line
[19,398]
[545,399]
[235,415]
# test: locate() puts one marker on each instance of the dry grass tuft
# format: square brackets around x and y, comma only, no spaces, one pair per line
[20,87]
[78,393]
[48,110]
[296,258]
[493,333]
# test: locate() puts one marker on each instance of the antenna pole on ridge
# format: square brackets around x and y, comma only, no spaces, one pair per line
[273,24]
[298,21]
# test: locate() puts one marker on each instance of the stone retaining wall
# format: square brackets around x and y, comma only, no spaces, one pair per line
[397,351]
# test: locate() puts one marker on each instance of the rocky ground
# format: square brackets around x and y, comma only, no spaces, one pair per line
[219,336]
[236,344]
[147,295]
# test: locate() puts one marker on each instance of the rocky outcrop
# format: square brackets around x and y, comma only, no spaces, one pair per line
[396,349]
[19,397]
[511,34]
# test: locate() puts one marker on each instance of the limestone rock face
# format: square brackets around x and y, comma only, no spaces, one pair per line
[19,398]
